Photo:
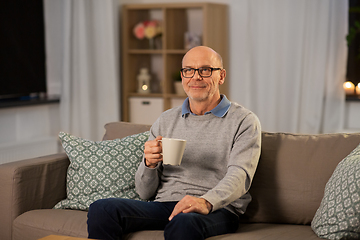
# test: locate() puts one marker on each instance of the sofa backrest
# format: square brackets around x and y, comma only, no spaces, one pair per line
[292,173]
[116,130]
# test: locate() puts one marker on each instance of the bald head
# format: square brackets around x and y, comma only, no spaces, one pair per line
[203,51]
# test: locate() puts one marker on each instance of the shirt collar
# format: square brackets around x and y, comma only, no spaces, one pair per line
[220,110]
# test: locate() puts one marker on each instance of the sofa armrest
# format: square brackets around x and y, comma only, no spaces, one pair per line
[30,184]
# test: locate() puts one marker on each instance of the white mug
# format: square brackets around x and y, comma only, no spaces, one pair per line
[173,150]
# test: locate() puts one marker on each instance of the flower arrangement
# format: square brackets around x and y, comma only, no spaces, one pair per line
[147,29]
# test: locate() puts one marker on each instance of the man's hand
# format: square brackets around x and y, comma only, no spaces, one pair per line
[191,204]
[152,152]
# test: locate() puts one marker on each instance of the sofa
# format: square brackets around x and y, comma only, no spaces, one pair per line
[287,189]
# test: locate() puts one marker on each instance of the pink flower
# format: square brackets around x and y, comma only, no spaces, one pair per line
[139,31]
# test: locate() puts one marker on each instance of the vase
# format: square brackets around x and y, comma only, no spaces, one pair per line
[151,43]
[143,79]
[155,42]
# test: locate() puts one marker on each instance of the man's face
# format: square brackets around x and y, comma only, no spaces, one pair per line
[202,88]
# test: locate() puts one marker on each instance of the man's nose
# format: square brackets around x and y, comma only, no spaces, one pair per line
[197,74]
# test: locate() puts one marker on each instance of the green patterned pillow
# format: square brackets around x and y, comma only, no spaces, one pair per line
[338,216]
[103,169]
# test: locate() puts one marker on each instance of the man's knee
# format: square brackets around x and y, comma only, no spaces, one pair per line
[184,226]
[98,207]
[102,209]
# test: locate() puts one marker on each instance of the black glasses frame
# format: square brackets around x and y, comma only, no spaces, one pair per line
[198,69]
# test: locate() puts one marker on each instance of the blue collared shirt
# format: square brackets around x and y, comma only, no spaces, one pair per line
[220,110]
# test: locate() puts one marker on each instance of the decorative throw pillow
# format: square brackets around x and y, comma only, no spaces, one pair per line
[338,216]
[102,169]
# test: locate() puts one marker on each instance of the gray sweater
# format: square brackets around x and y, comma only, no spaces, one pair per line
[219,161]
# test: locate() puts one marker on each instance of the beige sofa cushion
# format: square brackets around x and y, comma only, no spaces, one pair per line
[40,223]
[293,169]
[265,231]
[245,232]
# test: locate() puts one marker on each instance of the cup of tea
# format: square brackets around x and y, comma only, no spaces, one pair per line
[173,150]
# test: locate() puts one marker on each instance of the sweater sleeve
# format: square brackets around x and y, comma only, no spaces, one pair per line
[147,179]
[243,161]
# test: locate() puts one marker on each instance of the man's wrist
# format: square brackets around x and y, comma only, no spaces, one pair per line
[208,205]
[149,165]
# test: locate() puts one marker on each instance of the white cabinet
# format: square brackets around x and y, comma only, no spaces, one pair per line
[145,110]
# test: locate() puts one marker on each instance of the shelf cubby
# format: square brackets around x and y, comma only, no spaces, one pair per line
[209,20]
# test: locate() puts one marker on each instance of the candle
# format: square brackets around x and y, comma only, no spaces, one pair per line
[358,89]
[349,88]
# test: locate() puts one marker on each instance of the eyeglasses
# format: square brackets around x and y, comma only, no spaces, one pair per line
[203,71]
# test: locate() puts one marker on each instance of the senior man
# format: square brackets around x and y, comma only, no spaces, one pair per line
[205,195]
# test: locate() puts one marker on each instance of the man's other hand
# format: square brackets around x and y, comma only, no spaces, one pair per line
[191,204]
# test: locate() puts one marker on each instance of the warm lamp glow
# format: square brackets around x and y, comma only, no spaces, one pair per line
[348,85]
[358,89]
[349,88]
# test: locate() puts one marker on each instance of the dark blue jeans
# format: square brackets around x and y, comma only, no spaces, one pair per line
[109,219]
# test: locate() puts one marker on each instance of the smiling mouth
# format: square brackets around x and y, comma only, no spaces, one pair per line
[197,86]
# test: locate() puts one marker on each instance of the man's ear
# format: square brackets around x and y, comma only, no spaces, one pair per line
[222,76]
